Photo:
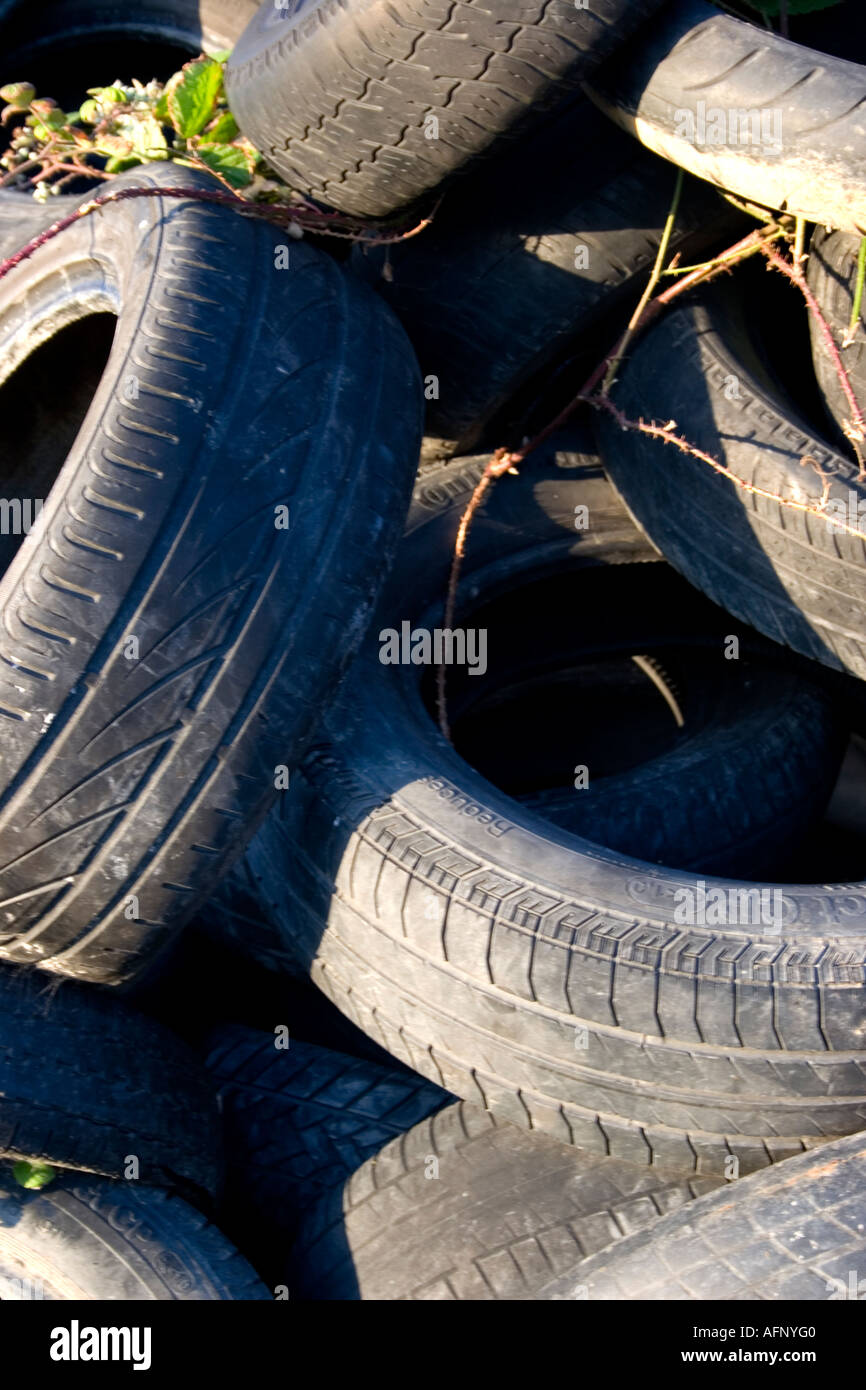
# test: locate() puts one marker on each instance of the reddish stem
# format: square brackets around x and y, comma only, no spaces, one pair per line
[857,433]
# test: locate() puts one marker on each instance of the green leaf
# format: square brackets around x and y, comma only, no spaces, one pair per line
[192,95]
[228,160]
[148,141]
[160,110]
[120,162]
[223,130]
[106,97]
[18,94]
[34,1175]
[46,113]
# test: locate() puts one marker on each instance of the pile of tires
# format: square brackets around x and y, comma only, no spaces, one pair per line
[489,930]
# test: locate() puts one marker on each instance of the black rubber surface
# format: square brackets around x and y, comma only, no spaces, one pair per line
[792,576]
[464,1207]
[22,218]
[521,262]
[740,725]
[131,774]
[832,276]
[797,1232]
[298,1120]
[553,982]
[92,1239]
[75,44]
[340,97]
[86,1083]
[192,24]
[688,85]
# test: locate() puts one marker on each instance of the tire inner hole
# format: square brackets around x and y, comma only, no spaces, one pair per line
[591,667]
[562,689]
[42,406]
[64,67]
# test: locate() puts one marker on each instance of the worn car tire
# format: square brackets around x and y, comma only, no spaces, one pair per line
[477,943]
[91,1239]
[86,1083]
[233,511]
[832,276]
[22,218]
[83,30]
[797,578]
[298,1120]
[793,1233]
[464,1207]
[502,283]
[339,97]
[738,732]
[809,157]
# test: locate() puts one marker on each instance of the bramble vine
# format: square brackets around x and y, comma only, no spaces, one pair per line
[185,121]
[595,392]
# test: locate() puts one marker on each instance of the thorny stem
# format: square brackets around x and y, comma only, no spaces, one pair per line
[740,251]
[505,461]
[501,462]
[666,433]
[856,427]
[268,212]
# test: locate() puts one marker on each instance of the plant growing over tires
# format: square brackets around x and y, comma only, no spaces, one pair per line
[185,120]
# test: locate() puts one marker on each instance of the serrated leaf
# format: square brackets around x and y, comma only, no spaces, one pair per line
[229,161]
[160,109]
[223,131]
[191,95]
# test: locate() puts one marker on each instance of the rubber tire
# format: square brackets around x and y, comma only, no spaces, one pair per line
[741,732]
[297,1122]
[336,95]
[491,293]
[86,1083]
[794,1233]
[477,943]
[22,218]
[832,277]
[113,1241]
[696,54]
[501,1211]
[794,577]
[242,642]
[191,24]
